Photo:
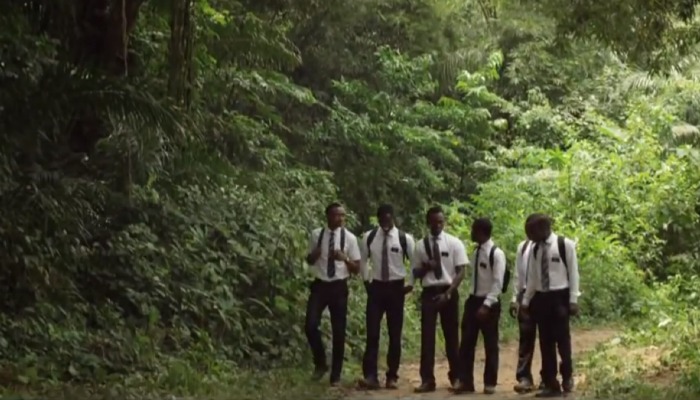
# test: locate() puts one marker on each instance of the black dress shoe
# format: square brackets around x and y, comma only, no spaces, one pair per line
[549,392]
[568,385]
[392,384]
[425,388]
[523,386]
[368,384]
[461,388]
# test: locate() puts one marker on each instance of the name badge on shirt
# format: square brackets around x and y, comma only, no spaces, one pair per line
[394,249]
[556,259]
[482,264]
[445,254]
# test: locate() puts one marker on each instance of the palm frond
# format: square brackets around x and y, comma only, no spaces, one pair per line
[640,81]
[685,133]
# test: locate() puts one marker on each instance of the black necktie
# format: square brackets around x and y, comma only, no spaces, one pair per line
[436,256]
[330,268]
[385,259]
[545,267]
[476,267]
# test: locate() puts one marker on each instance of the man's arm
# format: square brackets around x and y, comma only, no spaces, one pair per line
[573,271]
[364,258]
[410,253]
[518,278]
[532,278]
[461,263]
[314,250]
[498,270]
[417,270]
[353,257]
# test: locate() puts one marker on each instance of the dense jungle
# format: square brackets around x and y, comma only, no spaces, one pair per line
[163,162]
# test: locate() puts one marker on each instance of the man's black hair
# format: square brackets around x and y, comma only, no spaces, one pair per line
[385,209]
[331,206]
[531,217]
[540,219]
[433,210]
[483,225]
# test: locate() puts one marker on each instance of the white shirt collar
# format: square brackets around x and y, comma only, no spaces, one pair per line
[439,237]
[336,230]
[487,243]
[551,238]
[390,233]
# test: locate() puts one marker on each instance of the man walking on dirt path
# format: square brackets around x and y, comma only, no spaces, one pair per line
[526,325]
[439,261]
[553,289]
[334,254]
[385,248]
[482,310]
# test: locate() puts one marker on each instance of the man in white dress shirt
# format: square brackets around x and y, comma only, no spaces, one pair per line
[482,309]
[526,326]
[334,254]
[439,261]
[553,289]
[385,248]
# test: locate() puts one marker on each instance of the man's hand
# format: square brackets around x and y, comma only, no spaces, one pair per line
[525,311]
[441,298]
[483,312]
[428,265]
[407,289]
[513,310]
[573,309]
[313,256]
[353,266]
[339,255]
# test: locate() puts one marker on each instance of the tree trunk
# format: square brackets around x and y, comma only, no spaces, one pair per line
[180,50]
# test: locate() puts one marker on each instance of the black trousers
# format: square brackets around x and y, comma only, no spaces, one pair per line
[384,298]
[551,313]
[471,326]
[333,295]
[449,320]
[526,347]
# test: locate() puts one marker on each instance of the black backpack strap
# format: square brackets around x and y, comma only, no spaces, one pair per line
[561,243]
[320,237]
[506,272]
[342,239]
[404,244]
[371,236]
[426,243]
[522,251]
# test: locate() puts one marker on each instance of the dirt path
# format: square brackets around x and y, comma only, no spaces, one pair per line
[583,340]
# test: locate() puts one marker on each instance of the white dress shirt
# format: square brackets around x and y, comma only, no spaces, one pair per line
[522,260]
[453,254]
[373,255]
[489,281]
[352,250]
[559,278]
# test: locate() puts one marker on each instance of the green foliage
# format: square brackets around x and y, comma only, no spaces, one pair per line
[658,357]
[399,132]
